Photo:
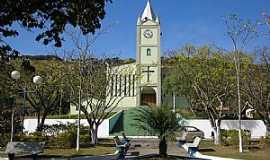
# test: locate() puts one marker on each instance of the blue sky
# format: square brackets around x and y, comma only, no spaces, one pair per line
[197,22]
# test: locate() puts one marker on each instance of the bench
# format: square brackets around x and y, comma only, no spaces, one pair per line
[122,146]
[125,138]
[190,148]
[253,144]
[24,148]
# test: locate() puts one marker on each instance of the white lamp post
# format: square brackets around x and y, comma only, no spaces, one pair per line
[14,75]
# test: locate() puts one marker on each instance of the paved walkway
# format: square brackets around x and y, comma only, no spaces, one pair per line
[141,146]
[144,147]
[111,157]
[150,146]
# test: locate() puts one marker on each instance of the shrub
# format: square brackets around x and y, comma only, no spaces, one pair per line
[265,141]
[66,135]
[66,139]
[59,135]
[54,130]
[32,137]
[5,138]
[230,137]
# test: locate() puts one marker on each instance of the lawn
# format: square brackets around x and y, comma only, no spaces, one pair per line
[208,148]
[91,151]
[58,152]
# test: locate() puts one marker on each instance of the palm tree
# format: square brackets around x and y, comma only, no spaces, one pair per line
[159,121]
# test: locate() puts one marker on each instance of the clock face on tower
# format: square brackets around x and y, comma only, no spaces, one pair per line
[148,33]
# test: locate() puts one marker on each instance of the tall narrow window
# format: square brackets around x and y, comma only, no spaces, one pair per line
[111,90]
[133,85]
[148,52]
[125,85]
[116,85]
[120,85]
[129,84]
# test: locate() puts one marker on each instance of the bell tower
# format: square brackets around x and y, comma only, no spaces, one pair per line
[148,58]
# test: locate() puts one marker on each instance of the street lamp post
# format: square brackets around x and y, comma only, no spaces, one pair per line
[16,76]
[12,124]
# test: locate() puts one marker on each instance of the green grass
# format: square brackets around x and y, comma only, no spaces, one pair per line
[91,151]
[60,152]
[105,146]
[233,152]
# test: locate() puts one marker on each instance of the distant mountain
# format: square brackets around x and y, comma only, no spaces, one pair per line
[41,57]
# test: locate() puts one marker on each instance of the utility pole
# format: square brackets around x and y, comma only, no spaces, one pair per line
[174,103]
[237,61]
[79,109]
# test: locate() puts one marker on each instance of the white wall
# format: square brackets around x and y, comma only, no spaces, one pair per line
[257,127]
[31,124]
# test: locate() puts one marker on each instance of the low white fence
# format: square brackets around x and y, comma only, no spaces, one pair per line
[256,127]
[30,125]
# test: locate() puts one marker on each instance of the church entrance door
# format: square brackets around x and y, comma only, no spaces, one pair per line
[148,97]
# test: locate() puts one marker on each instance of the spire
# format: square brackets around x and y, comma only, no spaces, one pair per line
[148,12]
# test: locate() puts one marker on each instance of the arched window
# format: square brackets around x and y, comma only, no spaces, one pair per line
[148,52]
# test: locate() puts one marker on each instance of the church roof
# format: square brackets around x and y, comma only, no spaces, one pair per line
[148,12]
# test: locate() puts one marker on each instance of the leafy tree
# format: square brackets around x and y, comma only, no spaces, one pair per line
[176,83]
[46,96]
[50,17]
[257,86]
[206,80]
[43,98]
[90,81]
[158,121]
[98,99]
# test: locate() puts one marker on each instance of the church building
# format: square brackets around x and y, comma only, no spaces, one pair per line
[145,89]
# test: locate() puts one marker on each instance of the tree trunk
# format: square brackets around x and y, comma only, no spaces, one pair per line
[267,129]
[162,147]
[94,135]
[41,123]
[217,135]
[38,120]
[90,135]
